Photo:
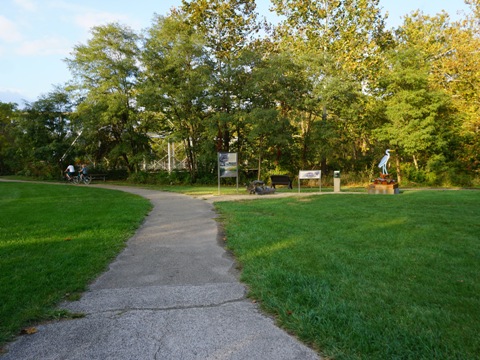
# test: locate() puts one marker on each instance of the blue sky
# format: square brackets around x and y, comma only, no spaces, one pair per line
[36,35]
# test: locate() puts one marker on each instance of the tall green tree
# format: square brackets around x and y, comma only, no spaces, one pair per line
[449,52]
[229,27]
[176,78]
[350,33]
[458,73]
[420,118]
[105,71]
[339,45]
[271,91]
[43,132]
[8,112]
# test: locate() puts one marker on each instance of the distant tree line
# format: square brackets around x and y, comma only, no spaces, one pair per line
[328,87]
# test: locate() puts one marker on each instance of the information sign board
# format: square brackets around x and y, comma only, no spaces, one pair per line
[227,167]
[308,175]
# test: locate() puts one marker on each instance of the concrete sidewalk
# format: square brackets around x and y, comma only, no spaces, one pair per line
[171,294]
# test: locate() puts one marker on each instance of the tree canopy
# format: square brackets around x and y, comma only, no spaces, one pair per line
[327,87]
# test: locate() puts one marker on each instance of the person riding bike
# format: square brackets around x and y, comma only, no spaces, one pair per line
[70,170]
[83,172]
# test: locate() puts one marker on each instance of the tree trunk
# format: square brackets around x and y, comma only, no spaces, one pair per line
[415,162]
[323,165]
[259,166]
[324,123]
[397,163]
[226,139]
[191,160]
[130,168]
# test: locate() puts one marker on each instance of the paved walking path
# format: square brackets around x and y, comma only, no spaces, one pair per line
[171,294]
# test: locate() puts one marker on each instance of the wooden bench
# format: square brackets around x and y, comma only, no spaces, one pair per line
[281,180]
[98,176]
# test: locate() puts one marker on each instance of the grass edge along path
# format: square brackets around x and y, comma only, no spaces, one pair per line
[54,240]
[365,276]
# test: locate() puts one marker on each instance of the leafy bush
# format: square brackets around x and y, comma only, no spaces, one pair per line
[176,177]
[40,170]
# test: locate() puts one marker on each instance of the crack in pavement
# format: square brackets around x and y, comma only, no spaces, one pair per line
[126,310]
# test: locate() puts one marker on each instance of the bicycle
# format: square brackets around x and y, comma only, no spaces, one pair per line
[84,178]
[71,179]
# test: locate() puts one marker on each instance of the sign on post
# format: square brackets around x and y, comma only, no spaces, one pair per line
[308,175]
[227,167]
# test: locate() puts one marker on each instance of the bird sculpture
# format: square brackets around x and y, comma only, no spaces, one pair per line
[384,161]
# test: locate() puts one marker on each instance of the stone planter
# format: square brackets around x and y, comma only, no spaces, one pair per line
[380,188]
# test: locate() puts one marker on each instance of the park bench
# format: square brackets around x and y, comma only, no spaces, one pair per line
[281,180]
[98,176]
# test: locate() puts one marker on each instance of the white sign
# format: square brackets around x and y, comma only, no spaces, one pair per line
[227,164]
[227,167]
[308,175]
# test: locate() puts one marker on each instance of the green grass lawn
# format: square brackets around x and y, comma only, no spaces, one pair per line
[355,276]
[55,239]
[366,276]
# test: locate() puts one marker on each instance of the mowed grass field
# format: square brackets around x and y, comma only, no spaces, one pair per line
[354,276]
[366,276]
[54,240]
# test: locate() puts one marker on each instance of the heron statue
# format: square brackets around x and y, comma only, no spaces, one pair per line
[384,161]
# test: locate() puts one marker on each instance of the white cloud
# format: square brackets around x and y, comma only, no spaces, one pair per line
[66,6]
[87,17]
[90,19]
[9,31]
[44,47]
[13,96]
[28,5]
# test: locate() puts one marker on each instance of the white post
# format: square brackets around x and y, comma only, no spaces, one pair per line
[299,180]
[218,167]
[169,157]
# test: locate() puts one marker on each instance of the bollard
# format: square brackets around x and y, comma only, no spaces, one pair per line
[336,181]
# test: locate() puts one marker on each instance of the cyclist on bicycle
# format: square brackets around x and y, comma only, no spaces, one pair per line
[70,170]
[83,171]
